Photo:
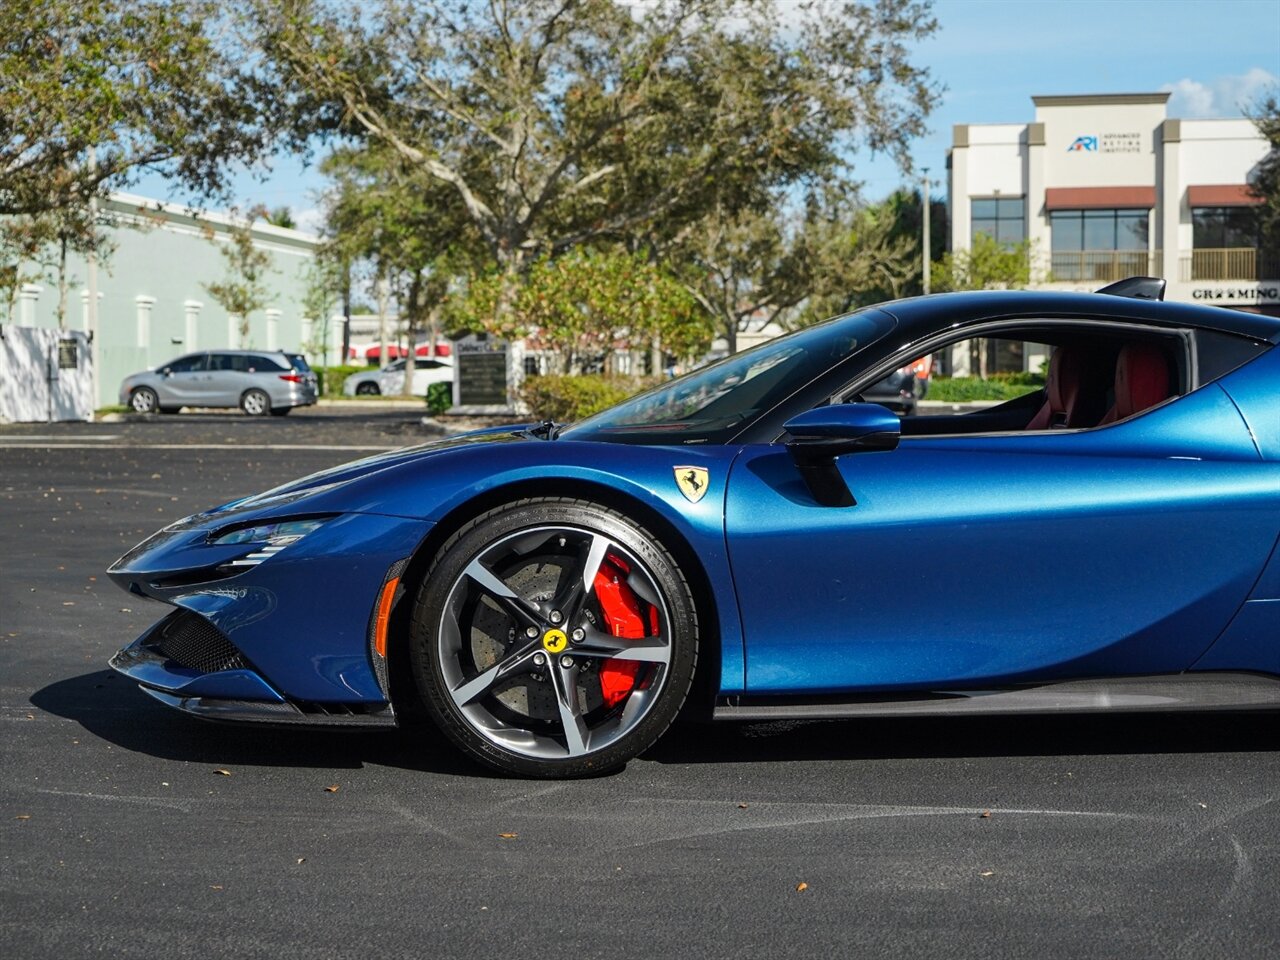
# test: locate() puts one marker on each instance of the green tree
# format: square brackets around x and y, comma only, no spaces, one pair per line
[1265,184]
[143,84]
[386,216]
[564,123]
[586,306]
[244,290]
[280,217]
[988,265]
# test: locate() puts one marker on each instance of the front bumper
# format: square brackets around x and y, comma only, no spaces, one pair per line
[286,640]
[165,670]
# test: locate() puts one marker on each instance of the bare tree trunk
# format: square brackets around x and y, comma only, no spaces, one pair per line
[381,286]
[411,325]
[62,282]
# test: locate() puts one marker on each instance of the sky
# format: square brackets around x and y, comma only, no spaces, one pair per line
[992,56]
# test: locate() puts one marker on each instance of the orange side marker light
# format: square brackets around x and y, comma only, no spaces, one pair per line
[384,616]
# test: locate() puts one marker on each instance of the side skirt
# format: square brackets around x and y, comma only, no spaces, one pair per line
[1166,692]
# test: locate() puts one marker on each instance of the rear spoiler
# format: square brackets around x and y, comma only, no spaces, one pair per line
[1139,288]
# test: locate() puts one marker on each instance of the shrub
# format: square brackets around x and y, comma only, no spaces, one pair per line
[565,399]
[965,389]
[331,378]
[1019,378]
[439,397]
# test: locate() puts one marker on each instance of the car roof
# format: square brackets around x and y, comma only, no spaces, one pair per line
[921,316]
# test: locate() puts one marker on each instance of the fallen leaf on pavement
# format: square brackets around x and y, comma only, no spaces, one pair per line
[23,816]
[302,859]
[222,773]
[987,873]
[986,814]
[801,887]
[742,806]
[508,836]
[332,788]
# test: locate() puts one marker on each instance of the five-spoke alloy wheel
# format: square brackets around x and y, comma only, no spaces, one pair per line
[554,638]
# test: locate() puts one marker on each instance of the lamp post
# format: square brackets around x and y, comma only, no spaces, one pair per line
[924,217]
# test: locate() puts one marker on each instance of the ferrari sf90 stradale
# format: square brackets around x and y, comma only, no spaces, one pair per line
[754,540]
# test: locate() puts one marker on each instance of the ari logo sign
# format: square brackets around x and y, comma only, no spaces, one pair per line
[1085,144]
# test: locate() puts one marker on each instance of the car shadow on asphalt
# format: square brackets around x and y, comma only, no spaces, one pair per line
[912,738]
[108,706]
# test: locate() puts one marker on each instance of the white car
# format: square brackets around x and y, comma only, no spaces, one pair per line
[389,381]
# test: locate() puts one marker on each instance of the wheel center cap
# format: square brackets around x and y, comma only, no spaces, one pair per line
[553,641]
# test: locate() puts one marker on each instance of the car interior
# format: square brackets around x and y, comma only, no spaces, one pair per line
[1095,377]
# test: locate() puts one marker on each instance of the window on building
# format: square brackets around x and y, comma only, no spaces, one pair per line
[1099,245]
[1003,218]
[1224,244]
[1223,228]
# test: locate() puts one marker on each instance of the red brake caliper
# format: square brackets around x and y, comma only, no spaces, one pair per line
[622,618]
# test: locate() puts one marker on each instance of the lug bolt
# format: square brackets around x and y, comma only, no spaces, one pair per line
[556,616]
[539,659]
[566,662]
[531,632]
[579,635]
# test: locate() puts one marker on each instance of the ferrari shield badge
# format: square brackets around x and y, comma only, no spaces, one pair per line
[692,482]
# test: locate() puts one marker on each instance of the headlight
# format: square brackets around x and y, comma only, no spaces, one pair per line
[273,537]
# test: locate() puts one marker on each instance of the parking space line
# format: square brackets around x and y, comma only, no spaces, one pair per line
[22,445]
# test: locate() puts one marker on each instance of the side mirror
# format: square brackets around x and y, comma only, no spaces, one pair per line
[820,435]
[165,372]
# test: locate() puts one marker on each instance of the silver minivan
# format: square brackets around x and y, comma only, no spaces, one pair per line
[257,381]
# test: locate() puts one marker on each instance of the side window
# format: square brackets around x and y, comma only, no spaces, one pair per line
[1217,354]
[222,361]
[190,364]
[1073,378]
[260,364]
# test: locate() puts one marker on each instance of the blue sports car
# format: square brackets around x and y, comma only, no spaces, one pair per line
[553,596]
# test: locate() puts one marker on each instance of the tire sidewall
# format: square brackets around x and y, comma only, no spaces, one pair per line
[469,542]
[266,403]
[152,407]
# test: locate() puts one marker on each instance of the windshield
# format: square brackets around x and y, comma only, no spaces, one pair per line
[714,404]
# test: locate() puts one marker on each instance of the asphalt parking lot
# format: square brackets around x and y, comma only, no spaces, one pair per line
[129,830]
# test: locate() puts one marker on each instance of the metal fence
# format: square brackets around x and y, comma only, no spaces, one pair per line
[1105,266]
[1237,263]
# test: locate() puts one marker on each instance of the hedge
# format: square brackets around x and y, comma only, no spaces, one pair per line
[964,389]
[566,399]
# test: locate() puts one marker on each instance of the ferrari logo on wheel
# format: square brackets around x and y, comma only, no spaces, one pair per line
[692,482]
[554,641]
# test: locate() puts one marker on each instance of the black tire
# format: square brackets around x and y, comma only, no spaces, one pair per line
[255,403]
[280,411]
[144,400]
[494,730]
[368,389]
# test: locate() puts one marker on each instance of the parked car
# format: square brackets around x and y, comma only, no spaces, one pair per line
[903,388]
[550,596]
[257,381]
[389,380]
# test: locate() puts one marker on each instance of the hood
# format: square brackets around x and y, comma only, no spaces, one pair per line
[343,473]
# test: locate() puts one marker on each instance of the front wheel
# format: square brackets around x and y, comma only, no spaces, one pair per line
[144,400]
[367,389]
[553,638]
[255,403]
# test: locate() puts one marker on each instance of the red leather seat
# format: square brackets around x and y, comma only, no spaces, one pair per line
[1142,381]
[1071,391]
